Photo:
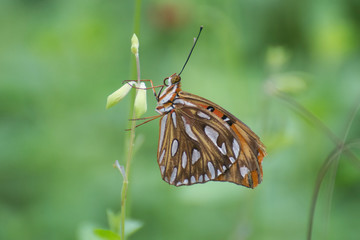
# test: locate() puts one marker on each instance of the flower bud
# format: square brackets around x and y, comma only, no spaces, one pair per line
[291,83]
[134,44]
[140,104]
[119,94]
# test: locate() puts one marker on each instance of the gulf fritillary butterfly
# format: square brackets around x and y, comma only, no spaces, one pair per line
[200,141]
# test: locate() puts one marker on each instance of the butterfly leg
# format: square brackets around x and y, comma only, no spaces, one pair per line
[148,119]
[146,80]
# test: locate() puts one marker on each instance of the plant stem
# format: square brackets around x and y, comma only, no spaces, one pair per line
[131,137]
[127,169]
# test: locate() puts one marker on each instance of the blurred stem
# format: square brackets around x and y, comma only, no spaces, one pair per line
[334,170]
[131,136]
[335,154]
[319,124]
[313,119]
[332,159]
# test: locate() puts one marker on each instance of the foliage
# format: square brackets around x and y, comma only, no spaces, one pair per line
[60,59]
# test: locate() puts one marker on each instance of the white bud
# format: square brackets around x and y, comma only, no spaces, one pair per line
[134,44]
[119,94]
[140,104]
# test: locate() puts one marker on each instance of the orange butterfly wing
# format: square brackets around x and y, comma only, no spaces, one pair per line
[247,170]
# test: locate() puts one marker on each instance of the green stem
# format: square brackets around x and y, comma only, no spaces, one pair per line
[127,169]
[131,137]
[137,17]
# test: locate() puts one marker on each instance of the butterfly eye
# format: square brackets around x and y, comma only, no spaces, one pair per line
[175,79]
[165,80]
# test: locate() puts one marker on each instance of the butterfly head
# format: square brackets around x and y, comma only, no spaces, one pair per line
[173,79]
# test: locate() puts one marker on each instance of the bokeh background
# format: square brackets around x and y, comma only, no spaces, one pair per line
[59,60]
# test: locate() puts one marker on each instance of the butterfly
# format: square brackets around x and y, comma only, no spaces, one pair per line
[200,141]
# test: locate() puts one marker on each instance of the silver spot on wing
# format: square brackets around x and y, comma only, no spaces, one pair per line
[206,177]
[223,149]
[195,156]
[173,115]
[243,171]
[212,134]
[203,115]
[173,175]
[188,130]
[162,129]
[184,160]
[211,170]
[174,147]
[236,148]
[201,179]
[161,156]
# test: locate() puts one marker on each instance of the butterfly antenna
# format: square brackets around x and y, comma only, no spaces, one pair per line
[196,39]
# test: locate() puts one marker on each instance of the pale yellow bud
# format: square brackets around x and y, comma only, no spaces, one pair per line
[134,44]
[291,82]
[119,94]
[276,58]
[140,104]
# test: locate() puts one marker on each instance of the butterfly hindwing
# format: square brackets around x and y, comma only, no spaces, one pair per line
[247,169]
[195,146]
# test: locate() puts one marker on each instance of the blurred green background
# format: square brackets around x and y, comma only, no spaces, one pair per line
[59,60]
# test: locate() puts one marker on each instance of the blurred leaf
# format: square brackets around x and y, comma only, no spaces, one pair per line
[107,234]
[114,220]
[60,59]
[131,226]
[333,39]
[139,141]
[86,232]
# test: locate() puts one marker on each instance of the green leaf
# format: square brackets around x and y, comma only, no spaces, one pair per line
[107,234]
[86,232]
[114,220]
[131,226]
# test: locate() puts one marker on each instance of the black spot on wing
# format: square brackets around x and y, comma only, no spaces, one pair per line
[227,120]
[210,108]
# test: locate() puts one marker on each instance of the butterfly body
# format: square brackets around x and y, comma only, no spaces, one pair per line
[200,141]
